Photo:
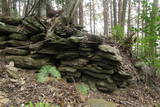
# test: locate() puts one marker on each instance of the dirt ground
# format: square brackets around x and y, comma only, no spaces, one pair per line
[58,92]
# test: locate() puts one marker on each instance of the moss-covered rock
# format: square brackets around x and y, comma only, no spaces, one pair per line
[106,86]
[108,49]
[111,57]
[38,37]
[27,62]
[15,51]
[3,38]
[67,69]
[17,36]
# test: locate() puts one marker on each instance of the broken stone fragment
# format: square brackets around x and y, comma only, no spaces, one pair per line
[38,37]
[3,99]
[75,63]
[94,75]
[76,39]
[112,57]
[100,103]
[68,55]
[67,69]
[108,49]
[15,51]
[27,62]
[14,43]
[105,86]
[96,69]
[47,51]
[17,36]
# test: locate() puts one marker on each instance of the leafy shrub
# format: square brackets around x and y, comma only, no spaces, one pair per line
[82,88]
[118,33]
[46,71]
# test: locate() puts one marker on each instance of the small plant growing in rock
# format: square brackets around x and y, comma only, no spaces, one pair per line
[46,71]
[82,88]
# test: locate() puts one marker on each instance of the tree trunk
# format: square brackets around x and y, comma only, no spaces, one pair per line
[91,29]
[94,17]
[75,18]
[111,15]
[81,13]
[43,7]
[106,16]
[5,8]
[119,11]
[115,12]
[123,17]
[15,7]
[129,17]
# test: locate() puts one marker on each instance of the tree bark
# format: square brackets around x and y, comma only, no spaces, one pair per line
[81,13]
[129,17]
[115,12]
[119,11]
[123,17]
[106,16]
[5,8]
[91,14]
[94,17]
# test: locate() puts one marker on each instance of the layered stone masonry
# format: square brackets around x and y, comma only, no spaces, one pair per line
[78,55]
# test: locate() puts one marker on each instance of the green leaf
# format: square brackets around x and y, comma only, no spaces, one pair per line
[82,88]
[47,70]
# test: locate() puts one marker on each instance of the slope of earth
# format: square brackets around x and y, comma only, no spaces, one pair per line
[58,92]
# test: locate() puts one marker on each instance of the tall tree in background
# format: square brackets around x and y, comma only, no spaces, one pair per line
[14,5]
[106,16]
[5,7]
[115,12]
[111,15]
[91,14]
[94,17]
[123,16]
[129,18]
[119,11]
[81,21]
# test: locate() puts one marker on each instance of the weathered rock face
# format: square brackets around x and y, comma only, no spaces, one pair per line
[76,55]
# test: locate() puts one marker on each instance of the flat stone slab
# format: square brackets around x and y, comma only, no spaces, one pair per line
[100,103]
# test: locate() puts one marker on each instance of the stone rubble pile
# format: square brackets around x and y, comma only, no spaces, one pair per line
[77,55]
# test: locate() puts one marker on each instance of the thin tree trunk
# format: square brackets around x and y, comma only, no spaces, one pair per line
[106,16]
[115,12]
[81,13]
[111,15]
[5,8]
[129,17]
[27,7]
[119,11]
[14,7]
[94,18]
[138,24]
[91,29]
[123,17]
[75,18]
